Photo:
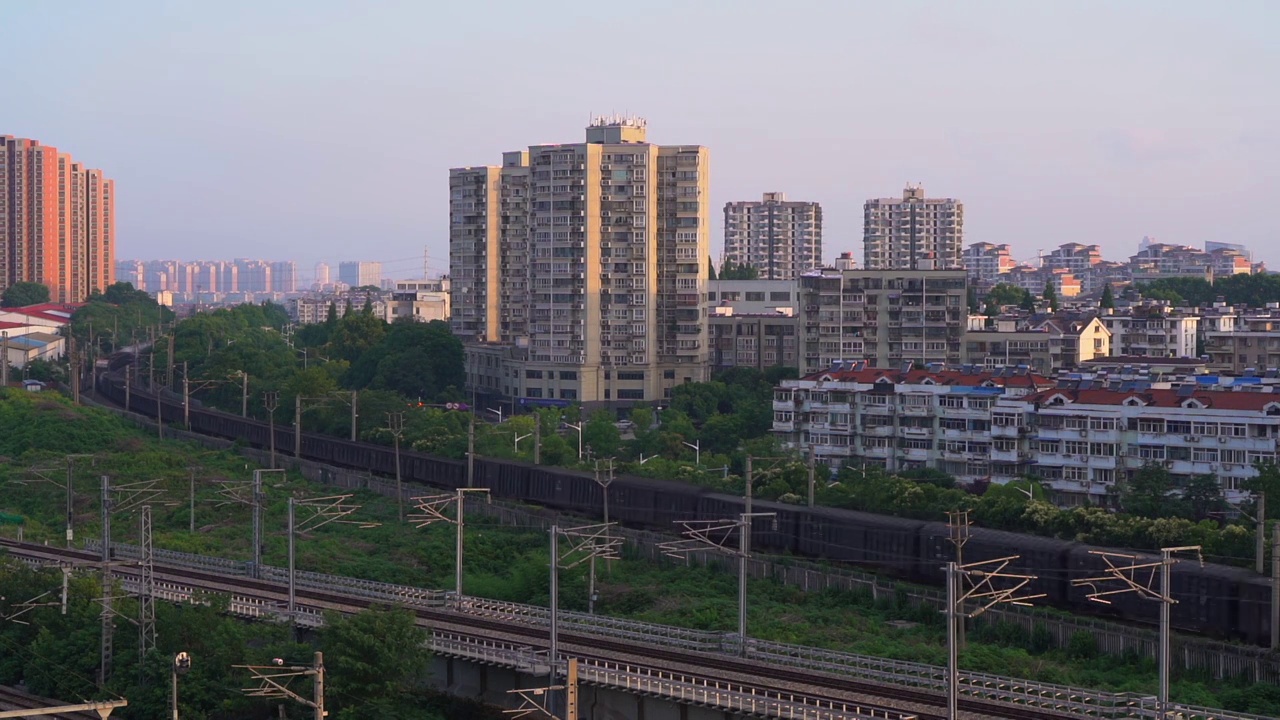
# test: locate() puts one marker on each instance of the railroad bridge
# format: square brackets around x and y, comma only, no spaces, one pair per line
[628,670]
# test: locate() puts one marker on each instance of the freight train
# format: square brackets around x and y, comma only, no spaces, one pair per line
[1214,600]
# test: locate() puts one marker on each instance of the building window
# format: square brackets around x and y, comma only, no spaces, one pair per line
[534,392]
[780,296]
[631,394]
[568,394]
[533,374]
[668,374]
[569,375]
[755,297]
[626,375]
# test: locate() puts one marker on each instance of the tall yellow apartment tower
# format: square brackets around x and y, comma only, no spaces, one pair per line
[579,270]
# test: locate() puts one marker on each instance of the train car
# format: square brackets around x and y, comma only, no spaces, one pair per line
[653,504]
[860,538]
[1207,598]
[1253,610]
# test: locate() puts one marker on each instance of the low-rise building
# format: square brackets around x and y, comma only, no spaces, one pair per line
[753,296]
[902,420]
[1153,330]
[1045,344]
[1239,340]
[1086,439]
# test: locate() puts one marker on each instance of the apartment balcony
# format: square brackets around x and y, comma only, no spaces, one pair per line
[877,431]
[832,407]
[783,426]
[915,432]
[1010,456]
[914,454]
[1007,431]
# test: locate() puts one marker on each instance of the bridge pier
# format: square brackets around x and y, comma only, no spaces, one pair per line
[489,684]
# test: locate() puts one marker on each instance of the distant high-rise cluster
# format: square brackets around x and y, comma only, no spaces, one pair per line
[780,238]
[57,221]
[913,233]
[196,277]
[360,274]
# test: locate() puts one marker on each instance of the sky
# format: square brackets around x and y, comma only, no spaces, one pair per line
[319,130]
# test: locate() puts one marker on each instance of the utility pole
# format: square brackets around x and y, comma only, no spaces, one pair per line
[812,484]
[151,370]
[433,509]
[324,510]
[106,618]
[716,535]
[395,422]
[297,426]
[257,503]
[186,398]
[584,543]
[73,364]
[168,371]
[275,681]
[127,389]
[270,401]
[988,595]
[604,491]
[958,524]
[4,366]
[1125,575]
[471,451]
[244,394]
[355,415]
[1259,545]
[537,438]
[746,493]
[191,501]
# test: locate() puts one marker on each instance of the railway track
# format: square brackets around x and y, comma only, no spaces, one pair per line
[768,678]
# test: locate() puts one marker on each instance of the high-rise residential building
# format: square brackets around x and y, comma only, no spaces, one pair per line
[913,233]
[284,276]
[987,262]
[57,221]
[588,259]
[323,276]
[360,274]
[778,237]
[883,317]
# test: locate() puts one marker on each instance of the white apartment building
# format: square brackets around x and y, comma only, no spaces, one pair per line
[900,234]
[360,274]
[1075,257]
[592,257]
[780,238]
[1086,439]
[903,420]
[1239,340]
[987,263]
[882,317]
[1153,331]
[1081,438]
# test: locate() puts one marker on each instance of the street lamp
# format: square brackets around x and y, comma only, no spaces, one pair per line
[579,429]
[644,459]
[181,665]
[518,438]
[697,451]
[497,412]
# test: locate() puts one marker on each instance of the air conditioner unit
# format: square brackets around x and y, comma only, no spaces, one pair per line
[1191,438]
[1222,440]
[1084,433]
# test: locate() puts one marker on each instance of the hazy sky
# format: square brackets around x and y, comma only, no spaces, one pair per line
[318,130]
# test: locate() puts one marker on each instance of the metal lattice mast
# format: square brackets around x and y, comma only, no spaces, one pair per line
[395,423]
[106,618]
[584,543]
[958,525]
[1128,575]
[323,510]
[146,599]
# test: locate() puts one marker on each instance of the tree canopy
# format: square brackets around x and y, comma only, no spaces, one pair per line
[735,271]
[21,294]
[1254,290]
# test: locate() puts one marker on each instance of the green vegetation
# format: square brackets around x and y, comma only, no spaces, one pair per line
[117,317]
[1252,290]
[1003,295]
[57,655]
[1108,301]
[734,271]
[21,294]
[373,656]
[1050,296]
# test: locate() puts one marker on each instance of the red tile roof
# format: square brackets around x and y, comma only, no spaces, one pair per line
[58,312]
[1211,399]
[940,377]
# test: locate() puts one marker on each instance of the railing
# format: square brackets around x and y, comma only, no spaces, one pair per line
[977,686]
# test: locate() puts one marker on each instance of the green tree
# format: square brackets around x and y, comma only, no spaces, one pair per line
[972,299]
[711,269]
[1203,496]
[1150,493]
[1027,302]
[1108,301]
[331,316]
[735,271]
[1005,294]
[1051,296]
[370,659]
[601,434]
[21,294]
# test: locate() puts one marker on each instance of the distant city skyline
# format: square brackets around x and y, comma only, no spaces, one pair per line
[1086,122]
